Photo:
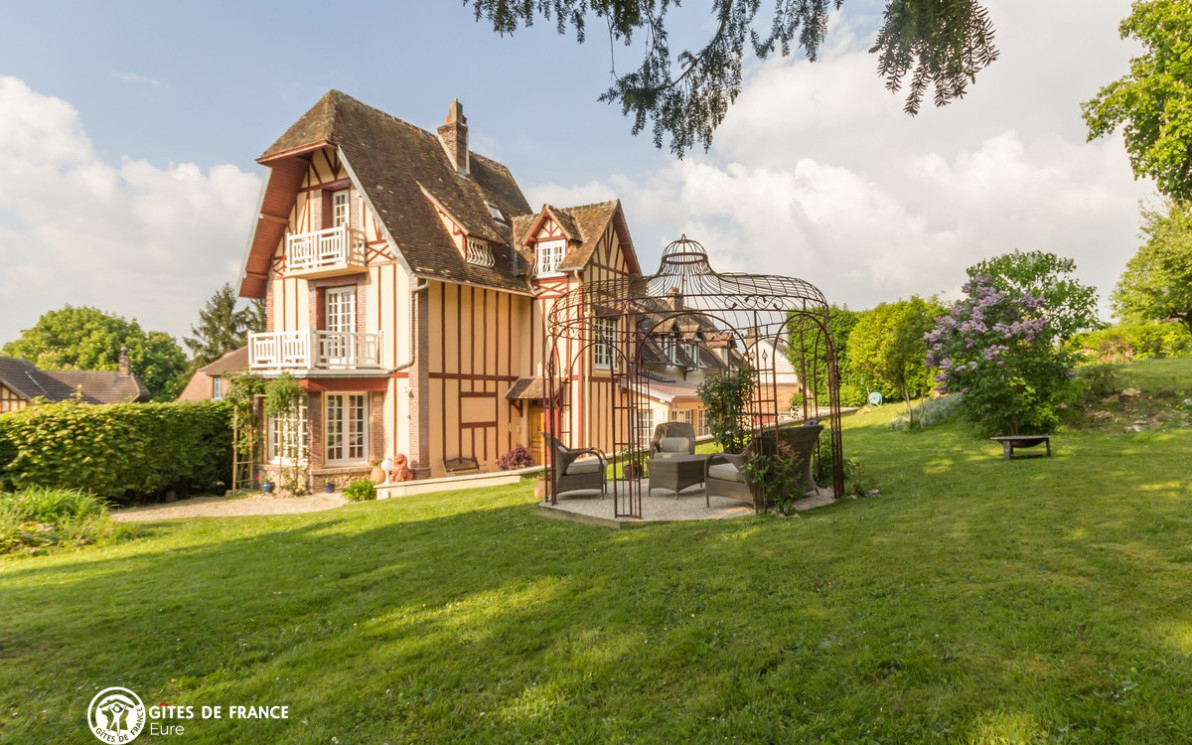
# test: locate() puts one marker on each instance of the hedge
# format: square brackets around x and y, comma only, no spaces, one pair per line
[121,452]
[1136,342]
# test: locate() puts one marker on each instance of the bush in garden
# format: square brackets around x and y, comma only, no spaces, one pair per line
[518,457]
[929,413]
[726,399]
[360,490]
[996,348]
[40,517]
[119,452]
[1144,341]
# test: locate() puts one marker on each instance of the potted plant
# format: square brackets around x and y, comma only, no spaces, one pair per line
[328,487]
[377,474]
[631,468]
[268,486]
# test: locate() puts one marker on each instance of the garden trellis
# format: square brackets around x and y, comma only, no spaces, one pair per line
[597,334]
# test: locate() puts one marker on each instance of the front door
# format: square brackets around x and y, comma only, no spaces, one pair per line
[536,442]
[339,343]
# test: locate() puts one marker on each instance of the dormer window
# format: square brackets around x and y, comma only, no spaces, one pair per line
[550,256]
[495,211]
[479,252]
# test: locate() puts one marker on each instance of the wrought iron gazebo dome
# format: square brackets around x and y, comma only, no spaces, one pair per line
[599,332]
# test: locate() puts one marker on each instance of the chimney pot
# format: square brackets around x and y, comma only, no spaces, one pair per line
[125,364]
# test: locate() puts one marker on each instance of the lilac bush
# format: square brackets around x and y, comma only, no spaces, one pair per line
[998,349]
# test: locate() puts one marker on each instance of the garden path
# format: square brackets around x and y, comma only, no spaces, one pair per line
[257,504]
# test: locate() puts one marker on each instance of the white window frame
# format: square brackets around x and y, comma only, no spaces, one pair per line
[279,429]
[340,305]
[681,415]
[702,428]
[341,209]
[604,344]
[340,451]
[216,388]
[550,256]
[645,425]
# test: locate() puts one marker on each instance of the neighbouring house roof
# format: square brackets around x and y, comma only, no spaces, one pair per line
[669,390]
[199,386]
[397,165]
[96,386]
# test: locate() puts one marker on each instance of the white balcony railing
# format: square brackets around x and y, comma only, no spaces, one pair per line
[333,249]
[314,350]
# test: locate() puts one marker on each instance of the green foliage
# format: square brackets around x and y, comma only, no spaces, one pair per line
[89,339]
[852,394]
[360,490]
[997,348]
[222,328]
[887,344]
[1154,100]
[810,361]
[1095,382]
[930,413]
[777,477]
[36,518]
[120,452]
[285,398]
[1068,306]
[944,43]
[1157,283]
[726,398]
[1122,343]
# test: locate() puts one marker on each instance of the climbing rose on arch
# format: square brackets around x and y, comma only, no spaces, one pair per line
[998,350]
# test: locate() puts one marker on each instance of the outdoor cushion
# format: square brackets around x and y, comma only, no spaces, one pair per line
[581,467]
[726,472]
[674,445]
[668,456]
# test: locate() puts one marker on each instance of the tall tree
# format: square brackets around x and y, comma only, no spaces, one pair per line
[888,344]
[944,43]
[1154,100]
[222,328]
[1069,306]
[90,339]
[1157,283]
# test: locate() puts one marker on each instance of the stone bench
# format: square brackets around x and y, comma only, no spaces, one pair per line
[1011,442]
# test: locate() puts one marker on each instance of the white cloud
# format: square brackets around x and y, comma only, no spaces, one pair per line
[135,238]
[817,173]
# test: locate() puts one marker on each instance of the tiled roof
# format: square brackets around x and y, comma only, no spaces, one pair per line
[233,361]
[96,386]
[591,221]
[394,162]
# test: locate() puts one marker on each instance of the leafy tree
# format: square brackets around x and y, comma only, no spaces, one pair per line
[1154,100]
[997,348]
[887,343]
[89,339]
[222,328]
[814,372]
[1068,305]
[944,43]
[1157,283]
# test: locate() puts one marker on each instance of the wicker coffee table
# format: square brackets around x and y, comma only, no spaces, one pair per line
[677,472]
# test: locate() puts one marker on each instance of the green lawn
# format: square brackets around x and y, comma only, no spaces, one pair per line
[976,601]
[1172,374]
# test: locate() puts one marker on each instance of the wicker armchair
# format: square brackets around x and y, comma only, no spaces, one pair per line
[572,474]
[666,440]
[724,475]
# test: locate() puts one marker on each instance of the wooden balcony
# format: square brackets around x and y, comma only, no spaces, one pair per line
[325,253]
[296,351]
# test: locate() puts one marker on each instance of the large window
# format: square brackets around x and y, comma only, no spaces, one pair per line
[216,388]
[681,415]
[286,438]
[340,209]
[645,426]
[702,429]
[550,256]
[346,427]
[604,345]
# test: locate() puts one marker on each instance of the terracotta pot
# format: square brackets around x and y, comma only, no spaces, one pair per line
[376,475]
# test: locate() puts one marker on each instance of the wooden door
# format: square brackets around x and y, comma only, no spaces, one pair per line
[536,442]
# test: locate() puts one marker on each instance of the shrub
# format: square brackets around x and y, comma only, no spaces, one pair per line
[518,457]
[852,394]
[360,490]
[779,477]
[931,412]
[1095,382]
[1122,343]
[120,452]
[40,517]
[996,348]
[726,397]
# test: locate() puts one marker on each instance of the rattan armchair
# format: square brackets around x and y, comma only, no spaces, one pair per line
[724,474]
[672,432]
[572,474]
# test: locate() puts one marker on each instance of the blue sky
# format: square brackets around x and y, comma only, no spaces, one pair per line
[128,133]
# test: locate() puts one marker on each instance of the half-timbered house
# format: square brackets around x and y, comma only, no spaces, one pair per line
[407,284]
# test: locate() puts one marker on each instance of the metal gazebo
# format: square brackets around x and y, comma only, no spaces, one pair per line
[596,378]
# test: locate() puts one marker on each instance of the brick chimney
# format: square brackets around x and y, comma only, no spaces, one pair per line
[674,298]
[454,136]
[125,365]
